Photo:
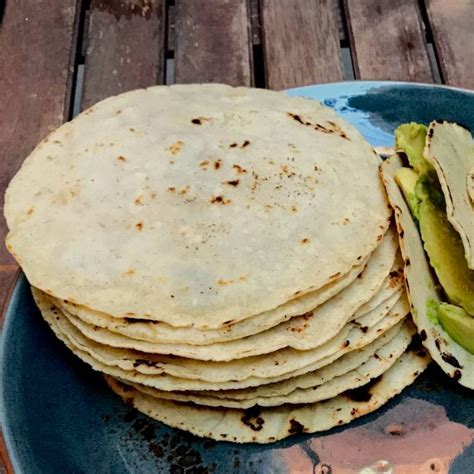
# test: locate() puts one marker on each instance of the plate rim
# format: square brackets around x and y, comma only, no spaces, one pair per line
[382,83]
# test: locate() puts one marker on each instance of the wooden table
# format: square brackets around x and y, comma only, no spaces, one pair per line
[60,56]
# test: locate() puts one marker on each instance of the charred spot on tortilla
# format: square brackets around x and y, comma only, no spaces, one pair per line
[423,335]
[296,117]
[239,169]
[148,363]
[450,359]
[233,182]
[252,418]
[220,200]
[394,277]
[296,427]
[456,375]
[362,394]
[199,120]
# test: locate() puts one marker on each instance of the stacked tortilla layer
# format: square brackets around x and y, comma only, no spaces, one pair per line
[223,255]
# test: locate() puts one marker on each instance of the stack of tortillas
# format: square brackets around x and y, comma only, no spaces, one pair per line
[224,255]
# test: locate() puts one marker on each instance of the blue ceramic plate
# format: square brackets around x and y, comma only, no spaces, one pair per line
[59,417]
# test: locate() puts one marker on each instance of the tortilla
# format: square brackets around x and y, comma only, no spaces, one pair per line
[195,205]
[422,287]
[393,283]
[301,333]
[324,374]
[155,331]
[271,424]
[374,366]
[237,374]
[370,319]
[450,150]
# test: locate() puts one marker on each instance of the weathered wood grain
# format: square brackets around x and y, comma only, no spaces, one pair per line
[254,7]
[387,40]
[452,25]
[213,42]
[37,48]
[301,42]
[125,47]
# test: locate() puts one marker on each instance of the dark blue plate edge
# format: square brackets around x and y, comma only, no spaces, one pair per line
[6,452]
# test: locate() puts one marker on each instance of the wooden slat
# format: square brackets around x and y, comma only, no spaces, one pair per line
[452,24]
[37,48]
[387,40]
[213,42]
[254,21]
[125,47]
[301,42]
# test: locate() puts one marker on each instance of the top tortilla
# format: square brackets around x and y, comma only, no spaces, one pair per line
[195,205]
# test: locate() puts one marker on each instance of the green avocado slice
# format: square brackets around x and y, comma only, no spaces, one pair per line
[406,178]
[458,324]
[444,248]
[410,137]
